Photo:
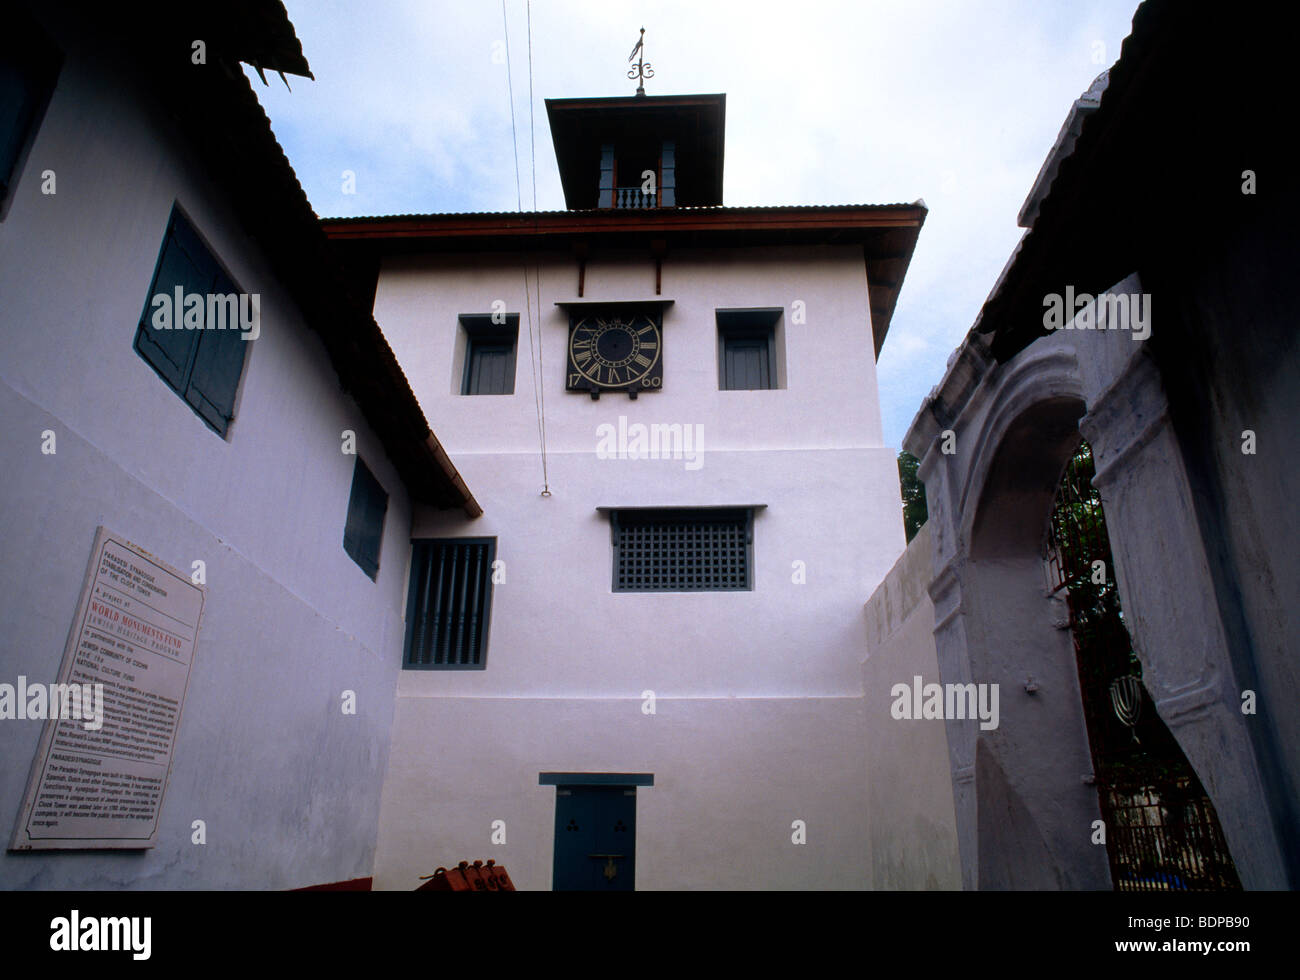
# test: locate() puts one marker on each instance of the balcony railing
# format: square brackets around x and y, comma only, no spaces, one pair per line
[633,198]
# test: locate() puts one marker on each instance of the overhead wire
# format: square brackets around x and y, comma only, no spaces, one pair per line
[534,356]
[540,389]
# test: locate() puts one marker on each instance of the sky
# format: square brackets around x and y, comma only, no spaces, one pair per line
[828,102]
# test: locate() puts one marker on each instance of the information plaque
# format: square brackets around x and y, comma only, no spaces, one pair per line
[100,772]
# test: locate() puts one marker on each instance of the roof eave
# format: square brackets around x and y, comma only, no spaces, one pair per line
[888,234]
[218,114]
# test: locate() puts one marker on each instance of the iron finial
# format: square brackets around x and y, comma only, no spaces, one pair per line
[642,71]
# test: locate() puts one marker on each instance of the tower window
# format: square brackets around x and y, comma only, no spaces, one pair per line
[489,354]
[747,349]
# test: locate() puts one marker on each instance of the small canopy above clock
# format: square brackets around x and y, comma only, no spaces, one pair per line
[579,304]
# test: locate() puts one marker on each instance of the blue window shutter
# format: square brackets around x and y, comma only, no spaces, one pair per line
[489,354]
[747,348]
[747,364]
[489,369]
[17,94]
[181,263]
[29,67]
[372,527]
[352,527]
[363,532]
[218,366]
[202,364]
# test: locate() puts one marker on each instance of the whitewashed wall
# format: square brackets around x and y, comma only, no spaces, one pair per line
[913,824]
[759,718]
[287,784]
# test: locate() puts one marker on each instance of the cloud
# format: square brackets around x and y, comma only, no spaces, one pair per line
[827,103]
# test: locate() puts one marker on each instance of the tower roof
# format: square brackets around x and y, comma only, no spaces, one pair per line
[695,123]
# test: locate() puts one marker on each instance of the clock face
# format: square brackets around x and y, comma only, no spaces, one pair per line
[613,350]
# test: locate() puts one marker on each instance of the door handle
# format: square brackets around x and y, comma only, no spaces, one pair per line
[611,869]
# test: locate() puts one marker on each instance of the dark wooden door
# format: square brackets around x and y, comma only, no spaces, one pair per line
[595,838]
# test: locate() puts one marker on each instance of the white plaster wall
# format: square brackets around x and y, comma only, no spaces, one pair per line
[909,789]
[287,784]
[558,630]
[767,681]
[731,777]
[830,400]
[759,717]
[811,453]
[75,268]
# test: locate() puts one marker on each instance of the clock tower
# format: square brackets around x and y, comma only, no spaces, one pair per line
[650,646]
[638,153]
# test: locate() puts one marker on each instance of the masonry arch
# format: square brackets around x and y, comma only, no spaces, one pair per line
[1025,805]
[1034,804]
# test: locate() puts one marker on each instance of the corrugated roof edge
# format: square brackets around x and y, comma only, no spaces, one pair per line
[263,36]
[244,155]
[711,209]
[1119,77]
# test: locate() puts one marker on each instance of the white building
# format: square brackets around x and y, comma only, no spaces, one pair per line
[135,164]
[644,662]
[373,679]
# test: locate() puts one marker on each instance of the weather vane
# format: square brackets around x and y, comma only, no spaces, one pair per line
[642,71]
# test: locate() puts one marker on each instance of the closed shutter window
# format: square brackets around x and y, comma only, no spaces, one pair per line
[488,369]
[203,365]
[218,363]
[489,354]
[747,349]
[747,363]
[364,530]
[29,68]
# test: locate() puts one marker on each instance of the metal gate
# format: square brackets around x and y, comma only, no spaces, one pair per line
[1161,829]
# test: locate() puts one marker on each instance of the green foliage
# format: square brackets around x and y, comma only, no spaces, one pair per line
[1102,644]
[914,508]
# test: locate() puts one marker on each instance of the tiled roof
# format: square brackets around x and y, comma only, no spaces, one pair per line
[217,112]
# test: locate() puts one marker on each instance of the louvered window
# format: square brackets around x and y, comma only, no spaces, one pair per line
[450,603]
[708,550]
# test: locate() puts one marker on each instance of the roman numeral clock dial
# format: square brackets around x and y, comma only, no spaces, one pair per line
[614,351]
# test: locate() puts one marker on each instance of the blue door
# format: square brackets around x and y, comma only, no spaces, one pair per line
[595,838]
